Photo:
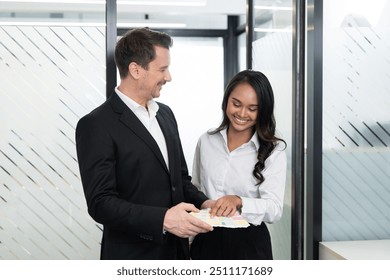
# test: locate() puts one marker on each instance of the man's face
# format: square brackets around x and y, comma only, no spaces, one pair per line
[157,74]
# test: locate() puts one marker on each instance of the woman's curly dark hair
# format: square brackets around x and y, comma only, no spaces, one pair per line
[265,122]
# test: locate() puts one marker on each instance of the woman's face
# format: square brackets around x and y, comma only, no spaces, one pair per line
[242,108]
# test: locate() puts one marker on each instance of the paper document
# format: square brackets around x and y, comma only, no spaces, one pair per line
[236,221]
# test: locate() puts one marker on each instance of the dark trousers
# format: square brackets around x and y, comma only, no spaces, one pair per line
[251,243]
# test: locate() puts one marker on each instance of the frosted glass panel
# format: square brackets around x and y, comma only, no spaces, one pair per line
[356,121]
[50,77]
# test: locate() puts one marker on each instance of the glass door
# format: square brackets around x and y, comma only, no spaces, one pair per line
[272,55]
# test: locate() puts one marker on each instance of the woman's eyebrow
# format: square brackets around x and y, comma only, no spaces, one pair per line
[235,99]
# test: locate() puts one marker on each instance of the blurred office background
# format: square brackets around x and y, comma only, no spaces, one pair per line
[328,63]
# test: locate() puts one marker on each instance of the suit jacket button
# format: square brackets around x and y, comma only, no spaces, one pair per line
[173,188]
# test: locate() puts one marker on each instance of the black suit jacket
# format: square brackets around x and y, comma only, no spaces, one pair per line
[127,185]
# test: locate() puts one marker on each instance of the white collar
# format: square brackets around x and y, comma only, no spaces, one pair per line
[152,105]
[253,139]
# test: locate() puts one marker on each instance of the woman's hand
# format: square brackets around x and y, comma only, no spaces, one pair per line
[207,204]
[226,206]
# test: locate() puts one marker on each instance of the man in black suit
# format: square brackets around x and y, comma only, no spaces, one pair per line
[131,162]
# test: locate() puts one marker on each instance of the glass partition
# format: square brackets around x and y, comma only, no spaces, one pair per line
[356,120]
[52,69]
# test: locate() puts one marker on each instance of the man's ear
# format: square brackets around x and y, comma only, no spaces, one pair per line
[134,70]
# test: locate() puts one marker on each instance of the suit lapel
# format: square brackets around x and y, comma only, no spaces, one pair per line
[132,122]
[166,130]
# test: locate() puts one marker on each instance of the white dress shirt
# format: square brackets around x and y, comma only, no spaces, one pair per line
[148,119]
[218,172]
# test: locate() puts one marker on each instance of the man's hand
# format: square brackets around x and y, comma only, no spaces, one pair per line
[179,222]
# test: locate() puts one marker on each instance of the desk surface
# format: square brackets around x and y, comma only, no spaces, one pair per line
[355,250]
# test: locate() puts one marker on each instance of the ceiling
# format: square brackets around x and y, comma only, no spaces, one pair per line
[203,14]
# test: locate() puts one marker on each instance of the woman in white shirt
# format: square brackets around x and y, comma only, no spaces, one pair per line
[242,166]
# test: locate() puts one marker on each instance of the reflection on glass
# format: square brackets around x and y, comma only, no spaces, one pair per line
[272,17]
